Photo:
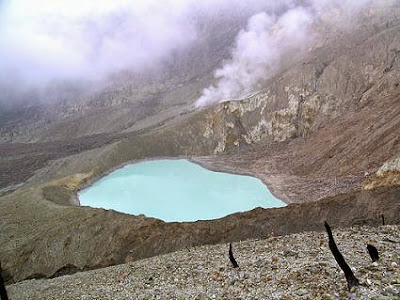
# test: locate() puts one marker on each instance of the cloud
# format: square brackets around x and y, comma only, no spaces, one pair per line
[43,40]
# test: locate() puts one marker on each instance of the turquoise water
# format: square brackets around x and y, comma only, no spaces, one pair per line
[177,190]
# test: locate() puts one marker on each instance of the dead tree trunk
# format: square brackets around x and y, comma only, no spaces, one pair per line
[373,252]
[3,292]
[231,258]
[351,279]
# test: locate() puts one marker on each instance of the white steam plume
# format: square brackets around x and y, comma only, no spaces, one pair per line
[258,53]
[261,47]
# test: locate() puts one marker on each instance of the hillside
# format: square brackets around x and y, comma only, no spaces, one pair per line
[322,133]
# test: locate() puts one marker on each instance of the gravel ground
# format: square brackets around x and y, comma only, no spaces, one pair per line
[298,266]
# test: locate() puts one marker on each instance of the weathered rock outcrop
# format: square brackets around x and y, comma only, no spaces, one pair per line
[387,175]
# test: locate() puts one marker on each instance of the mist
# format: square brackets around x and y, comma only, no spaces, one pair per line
[268,38]
[45,42]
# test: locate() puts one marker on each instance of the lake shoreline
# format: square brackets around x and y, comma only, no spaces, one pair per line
[189,198]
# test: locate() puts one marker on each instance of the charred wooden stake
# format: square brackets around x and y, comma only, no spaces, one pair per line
[383,220]
[351,279]
[373,252]
[3,292]
[232,259]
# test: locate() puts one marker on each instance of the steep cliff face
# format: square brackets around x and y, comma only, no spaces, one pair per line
[343,76]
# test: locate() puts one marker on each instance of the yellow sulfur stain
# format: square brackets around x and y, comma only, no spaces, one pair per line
[390,178]
[72,182]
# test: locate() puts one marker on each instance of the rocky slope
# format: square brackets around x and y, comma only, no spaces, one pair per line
[298,266]
[324,128]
